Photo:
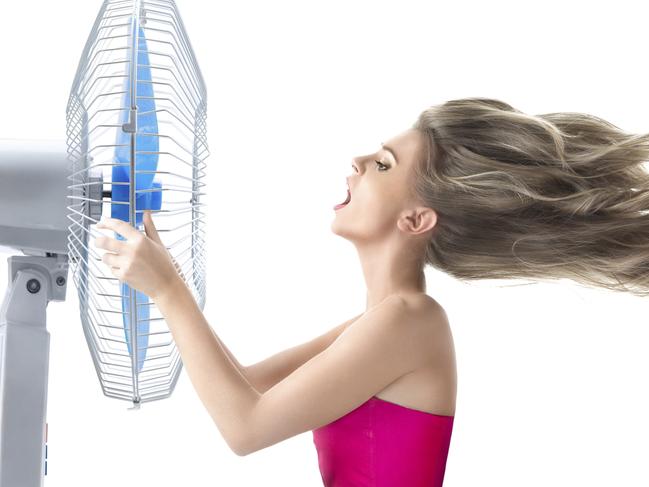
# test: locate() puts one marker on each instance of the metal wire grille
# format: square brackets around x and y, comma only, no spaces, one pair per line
[109,108]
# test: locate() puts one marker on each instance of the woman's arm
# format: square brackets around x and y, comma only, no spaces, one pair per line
[222,388]
[233,359]
[265,374]
[388,341]
[385,343]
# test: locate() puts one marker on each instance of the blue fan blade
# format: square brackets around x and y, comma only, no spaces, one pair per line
[146,140]
[146,159]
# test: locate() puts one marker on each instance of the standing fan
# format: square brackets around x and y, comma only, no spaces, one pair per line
[136,141]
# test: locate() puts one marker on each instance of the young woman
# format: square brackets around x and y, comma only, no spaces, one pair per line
[474,188]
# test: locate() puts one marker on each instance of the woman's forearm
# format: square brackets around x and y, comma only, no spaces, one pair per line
[224,390]
[233,359]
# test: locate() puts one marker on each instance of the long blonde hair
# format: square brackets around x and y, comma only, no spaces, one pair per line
[544,197]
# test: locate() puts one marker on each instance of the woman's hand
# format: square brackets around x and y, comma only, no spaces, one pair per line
[141,261]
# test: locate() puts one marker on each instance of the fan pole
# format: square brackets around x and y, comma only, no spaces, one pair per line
[34,281]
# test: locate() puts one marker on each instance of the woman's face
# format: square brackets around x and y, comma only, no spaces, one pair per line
[380,189]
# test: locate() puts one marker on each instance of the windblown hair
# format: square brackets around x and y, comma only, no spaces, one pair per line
[542,197]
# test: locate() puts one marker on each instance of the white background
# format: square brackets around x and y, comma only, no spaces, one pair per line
[552,377]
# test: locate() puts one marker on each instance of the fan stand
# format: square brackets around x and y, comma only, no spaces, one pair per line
[34,281]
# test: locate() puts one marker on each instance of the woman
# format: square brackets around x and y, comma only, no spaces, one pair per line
[474,188]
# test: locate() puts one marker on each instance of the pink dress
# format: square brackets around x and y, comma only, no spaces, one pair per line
[383,444]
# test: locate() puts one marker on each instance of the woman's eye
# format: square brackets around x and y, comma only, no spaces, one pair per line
[382,165]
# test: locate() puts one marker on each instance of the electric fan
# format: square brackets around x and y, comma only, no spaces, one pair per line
[136,141]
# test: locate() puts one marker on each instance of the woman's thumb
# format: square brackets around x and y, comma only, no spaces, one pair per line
[150,228]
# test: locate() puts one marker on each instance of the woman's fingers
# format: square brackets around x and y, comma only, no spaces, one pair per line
[112,260]
[119,226]
[152,233]
[108,243]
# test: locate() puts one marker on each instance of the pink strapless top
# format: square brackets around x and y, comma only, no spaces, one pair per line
[383,444]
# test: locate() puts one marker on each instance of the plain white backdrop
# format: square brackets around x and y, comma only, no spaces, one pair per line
[551,377]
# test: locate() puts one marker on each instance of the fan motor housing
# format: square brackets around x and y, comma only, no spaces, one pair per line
[34,196]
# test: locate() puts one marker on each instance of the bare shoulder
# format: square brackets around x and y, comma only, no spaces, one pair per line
[430,317]
[422,315]
[431,385]
[425,308]
[418,317]
[396,329]
[419,309]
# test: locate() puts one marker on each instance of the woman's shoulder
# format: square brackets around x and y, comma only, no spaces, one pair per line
[430,315]
[424,306]
[422,314]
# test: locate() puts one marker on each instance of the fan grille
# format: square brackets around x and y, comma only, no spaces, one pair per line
[130,38]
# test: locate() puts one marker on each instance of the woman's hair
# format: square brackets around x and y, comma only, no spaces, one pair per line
[544,197]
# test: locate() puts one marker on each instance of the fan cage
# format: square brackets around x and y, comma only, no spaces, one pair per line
[107,69]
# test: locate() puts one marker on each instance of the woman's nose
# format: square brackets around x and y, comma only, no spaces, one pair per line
[355,173]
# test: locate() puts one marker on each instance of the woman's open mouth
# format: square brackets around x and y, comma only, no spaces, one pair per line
[344,203]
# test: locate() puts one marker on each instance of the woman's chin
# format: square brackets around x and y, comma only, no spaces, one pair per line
[334,227]
[337,228]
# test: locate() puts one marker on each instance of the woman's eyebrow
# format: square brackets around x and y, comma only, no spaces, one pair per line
[391,151]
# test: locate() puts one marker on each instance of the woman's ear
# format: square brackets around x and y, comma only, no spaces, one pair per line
[417,220]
